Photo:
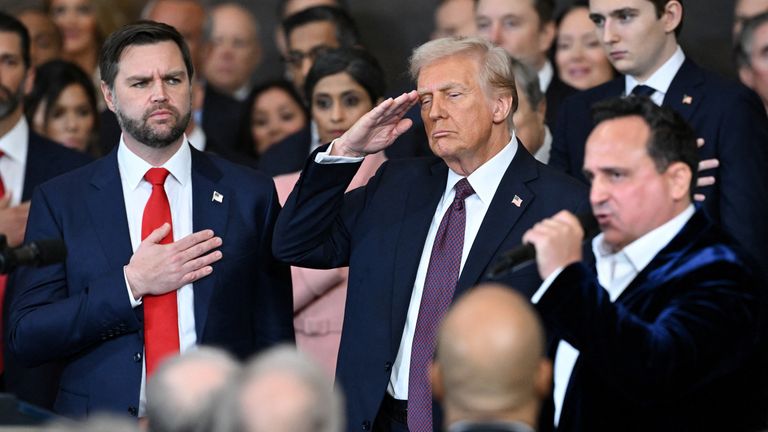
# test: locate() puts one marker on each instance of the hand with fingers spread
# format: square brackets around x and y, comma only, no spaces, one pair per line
[704,165]
[378,128]
[13,220]
[557,241]
[160,268]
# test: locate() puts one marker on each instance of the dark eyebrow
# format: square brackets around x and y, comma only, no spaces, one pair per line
[624,11]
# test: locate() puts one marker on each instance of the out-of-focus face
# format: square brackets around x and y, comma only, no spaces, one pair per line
[515,26]
[755,76]
[529,122]
[71,119]
[635,39]
[188,18]
[151,95]
[293,6]
[338,101]
[76,20]
[304,44]
[579,55]
[629,196]
[45,42]
[275,115]
[455,18]
[459,116]
[234,50]
[12,76]
[746,9]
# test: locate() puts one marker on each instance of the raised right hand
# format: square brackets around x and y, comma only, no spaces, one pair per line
[160,268]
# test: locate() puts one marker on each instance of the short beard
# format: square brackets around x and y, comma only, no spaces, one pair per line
[9,100]
[143,133]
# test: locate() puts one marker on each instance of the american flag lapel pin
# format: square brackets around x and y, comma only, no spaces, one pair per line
[687,100]
[217,197]
[517,201]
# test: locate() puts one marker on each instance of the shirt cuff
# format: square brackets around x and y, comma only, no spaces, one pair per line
[134,302]
[326,157]
[545,285]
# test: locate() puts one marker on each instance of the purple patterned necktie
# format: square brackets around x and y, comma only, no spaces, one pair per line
[442,276]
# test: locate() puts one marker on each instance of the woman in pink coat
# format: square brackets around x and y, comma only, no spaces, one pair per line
[342,85]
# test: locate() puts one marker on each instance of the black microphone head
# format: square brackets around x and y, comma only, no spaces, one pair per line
[51,251]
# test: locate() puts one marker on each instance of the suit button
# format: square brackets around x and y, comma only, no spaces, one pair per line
[133,411]
[137,357]
[366,425]
[388,366]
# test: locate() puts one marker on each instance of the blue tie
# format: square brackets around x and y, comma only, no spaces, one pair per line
[643,90]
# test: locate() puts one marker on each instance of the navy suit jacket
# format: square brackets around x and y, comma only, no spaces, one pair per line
[379,231]
[732,121]
[79,311]
[681,349]
[45,160]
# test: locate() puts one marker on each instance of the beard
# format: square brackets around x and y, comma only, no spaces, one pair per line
[9,100]
[152,136]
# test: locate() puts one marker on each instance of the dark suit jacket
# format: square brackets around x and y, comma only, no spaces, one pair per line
[222,115]
[556,93]
[79,311]
[681,349]
[45,160]
[732,121]
[379,232]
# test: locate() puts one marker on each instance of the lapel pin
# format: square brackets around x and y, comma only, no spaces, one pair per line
[687,100]
[517,201]
[217,197]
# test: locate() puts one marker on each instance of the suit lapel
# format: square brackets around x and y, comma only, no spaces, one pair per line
[106,207]
[686,92]
[501,217]
[35,171]
[420,205]
[207,213]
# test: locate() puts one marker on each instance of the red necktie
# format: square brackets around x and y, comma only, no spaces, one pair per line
[161,316]
[442,276]
[3,279]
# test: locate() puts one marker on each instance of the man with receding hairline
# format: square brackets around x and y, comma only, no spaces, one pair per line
[490,370]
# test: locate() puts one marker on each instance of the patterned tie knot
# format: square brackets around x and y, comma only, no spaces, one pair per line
[156,176]
[463,190]
[643,90]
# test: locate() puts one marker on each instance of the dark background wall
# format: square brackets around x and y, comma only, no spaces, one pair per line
[391,28]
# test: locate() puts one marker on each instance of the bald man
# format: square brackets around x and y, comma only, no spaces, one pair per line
[490,371]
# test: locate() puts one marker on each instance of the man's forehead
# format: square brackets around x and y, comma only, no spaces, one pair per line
[141,59]
[10,43]
[312,34]
[610,6]
[505,6]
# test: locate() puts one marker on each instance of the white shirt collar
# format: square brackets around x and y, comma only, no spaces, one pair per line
[14,143]
[486,178]
[133,168]
[546,73]
[662,78]
[641,251]
[197,138]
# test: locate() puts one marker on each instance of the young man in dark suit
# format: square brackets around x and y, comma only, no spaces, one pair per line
[421,230]
[661,325]
[640,39]
[168,247]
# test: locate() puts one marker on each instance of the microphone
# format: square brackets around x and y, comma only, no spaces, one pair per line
[39,253]
[527,252]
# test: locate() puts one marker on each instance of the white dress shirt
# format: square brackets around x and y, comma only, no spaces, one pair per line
[661,79]
[13,165]
[484,180]
[178,188]
[546,73]
[197,138]
[615,271]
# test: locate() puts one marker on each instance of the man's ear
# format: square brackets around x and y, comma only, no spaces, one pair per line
[547,35]
[29,80]
[679,177]
[542,383]
[673,15]
[747,77]
[502,108]
[108,96]
[436,378]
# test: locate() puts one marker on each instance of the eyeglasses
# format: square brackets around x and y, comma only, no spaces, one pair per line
[296,58]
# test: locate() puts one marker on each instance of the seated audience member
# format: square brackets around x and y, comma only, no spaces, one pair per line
[454,18]
[529,119]
[752,55]
[280,390]
[44,36]
[62,106]
[661,327]
[342,85]
[275,111]
[183,394]
[744,10]
[579,56]
[490,370]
